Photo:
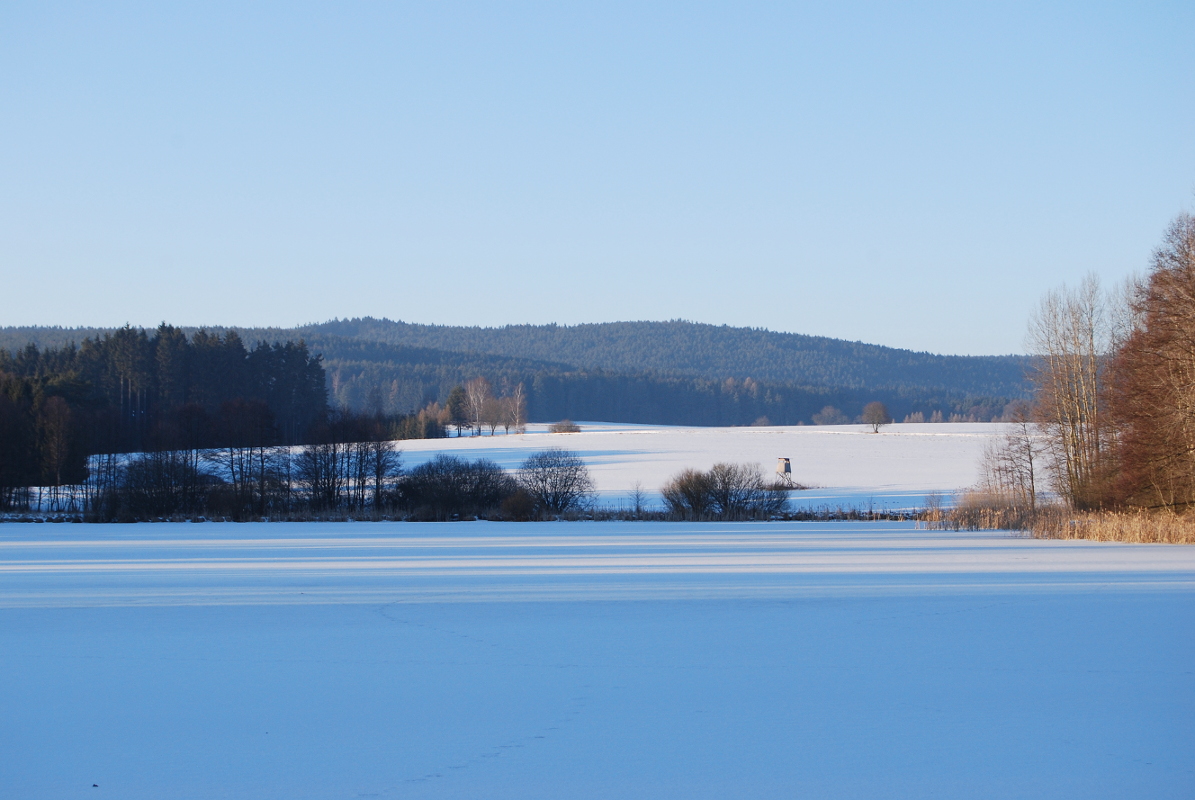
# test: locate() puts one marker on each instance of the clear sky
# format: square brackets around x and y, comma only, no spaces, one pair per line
[911,175]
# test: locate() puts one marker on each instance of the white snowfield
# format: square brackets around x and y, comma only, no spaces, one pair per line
[845,465]
[591,660]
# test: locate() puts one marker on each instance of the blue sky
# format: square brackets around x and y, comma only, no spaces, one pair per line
[914,176]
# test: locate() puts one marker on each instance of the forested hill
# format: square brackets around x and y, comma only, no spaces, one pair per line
[650,372]
[675,348]
[680,348]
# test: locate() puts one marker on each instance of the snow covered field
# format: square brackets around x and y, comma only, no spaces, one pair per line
[591,660]
[846,464]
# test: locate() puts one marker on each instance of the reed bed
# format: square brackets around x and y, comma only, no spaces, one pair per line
[983,511]
[1146,527]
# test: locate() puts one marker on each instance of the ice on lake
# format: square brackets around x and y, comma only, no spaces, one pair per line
[591,660]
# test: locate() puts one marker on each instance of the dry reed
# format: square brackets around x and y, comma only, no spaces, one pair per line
[1161,527]
[977,510]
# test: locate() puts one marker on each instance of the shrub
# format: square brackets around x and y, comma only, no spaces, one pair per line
[564,426]
[519,507]
[449,486]
[688,494]
[726,491]
[556,480]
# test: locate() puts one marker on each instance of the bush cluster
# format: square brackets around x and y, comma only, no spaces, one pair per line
[724,492]
[448,487]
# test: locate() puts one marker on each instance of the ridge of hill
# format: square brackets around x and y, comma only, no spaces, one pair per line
[679,348]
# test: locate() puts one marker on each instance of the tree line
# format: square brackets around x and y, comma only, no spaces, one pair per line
[1111,424]
[475,407]
[716,352]
[641,397]
[354,471]
[179,397]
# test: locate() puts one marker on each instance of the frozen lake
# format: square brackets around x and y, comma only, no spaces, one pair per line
[591,660]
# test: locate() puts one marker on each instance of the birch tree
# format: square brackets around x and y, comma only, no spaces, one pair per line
[478,394]
[516,410]
[1072,335]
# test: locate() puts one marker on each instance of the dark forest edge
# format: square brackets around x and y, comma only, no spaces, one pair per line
[64,410]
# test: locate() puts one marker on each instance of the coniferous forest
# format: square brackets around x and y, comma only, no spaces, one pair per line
[68,414]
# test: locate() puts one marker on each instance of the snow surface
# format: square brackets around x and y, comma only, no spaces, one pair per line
[847,465]
[591,660]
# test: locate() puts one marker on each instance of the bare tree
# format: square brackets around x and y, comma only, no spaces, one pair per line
[1072,335]
[876,415]
[477,393]
[492,413]
[384,465]
[516,410]
[506,415]
[1011,463]
[638,497]
[557,480]
[322,469]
